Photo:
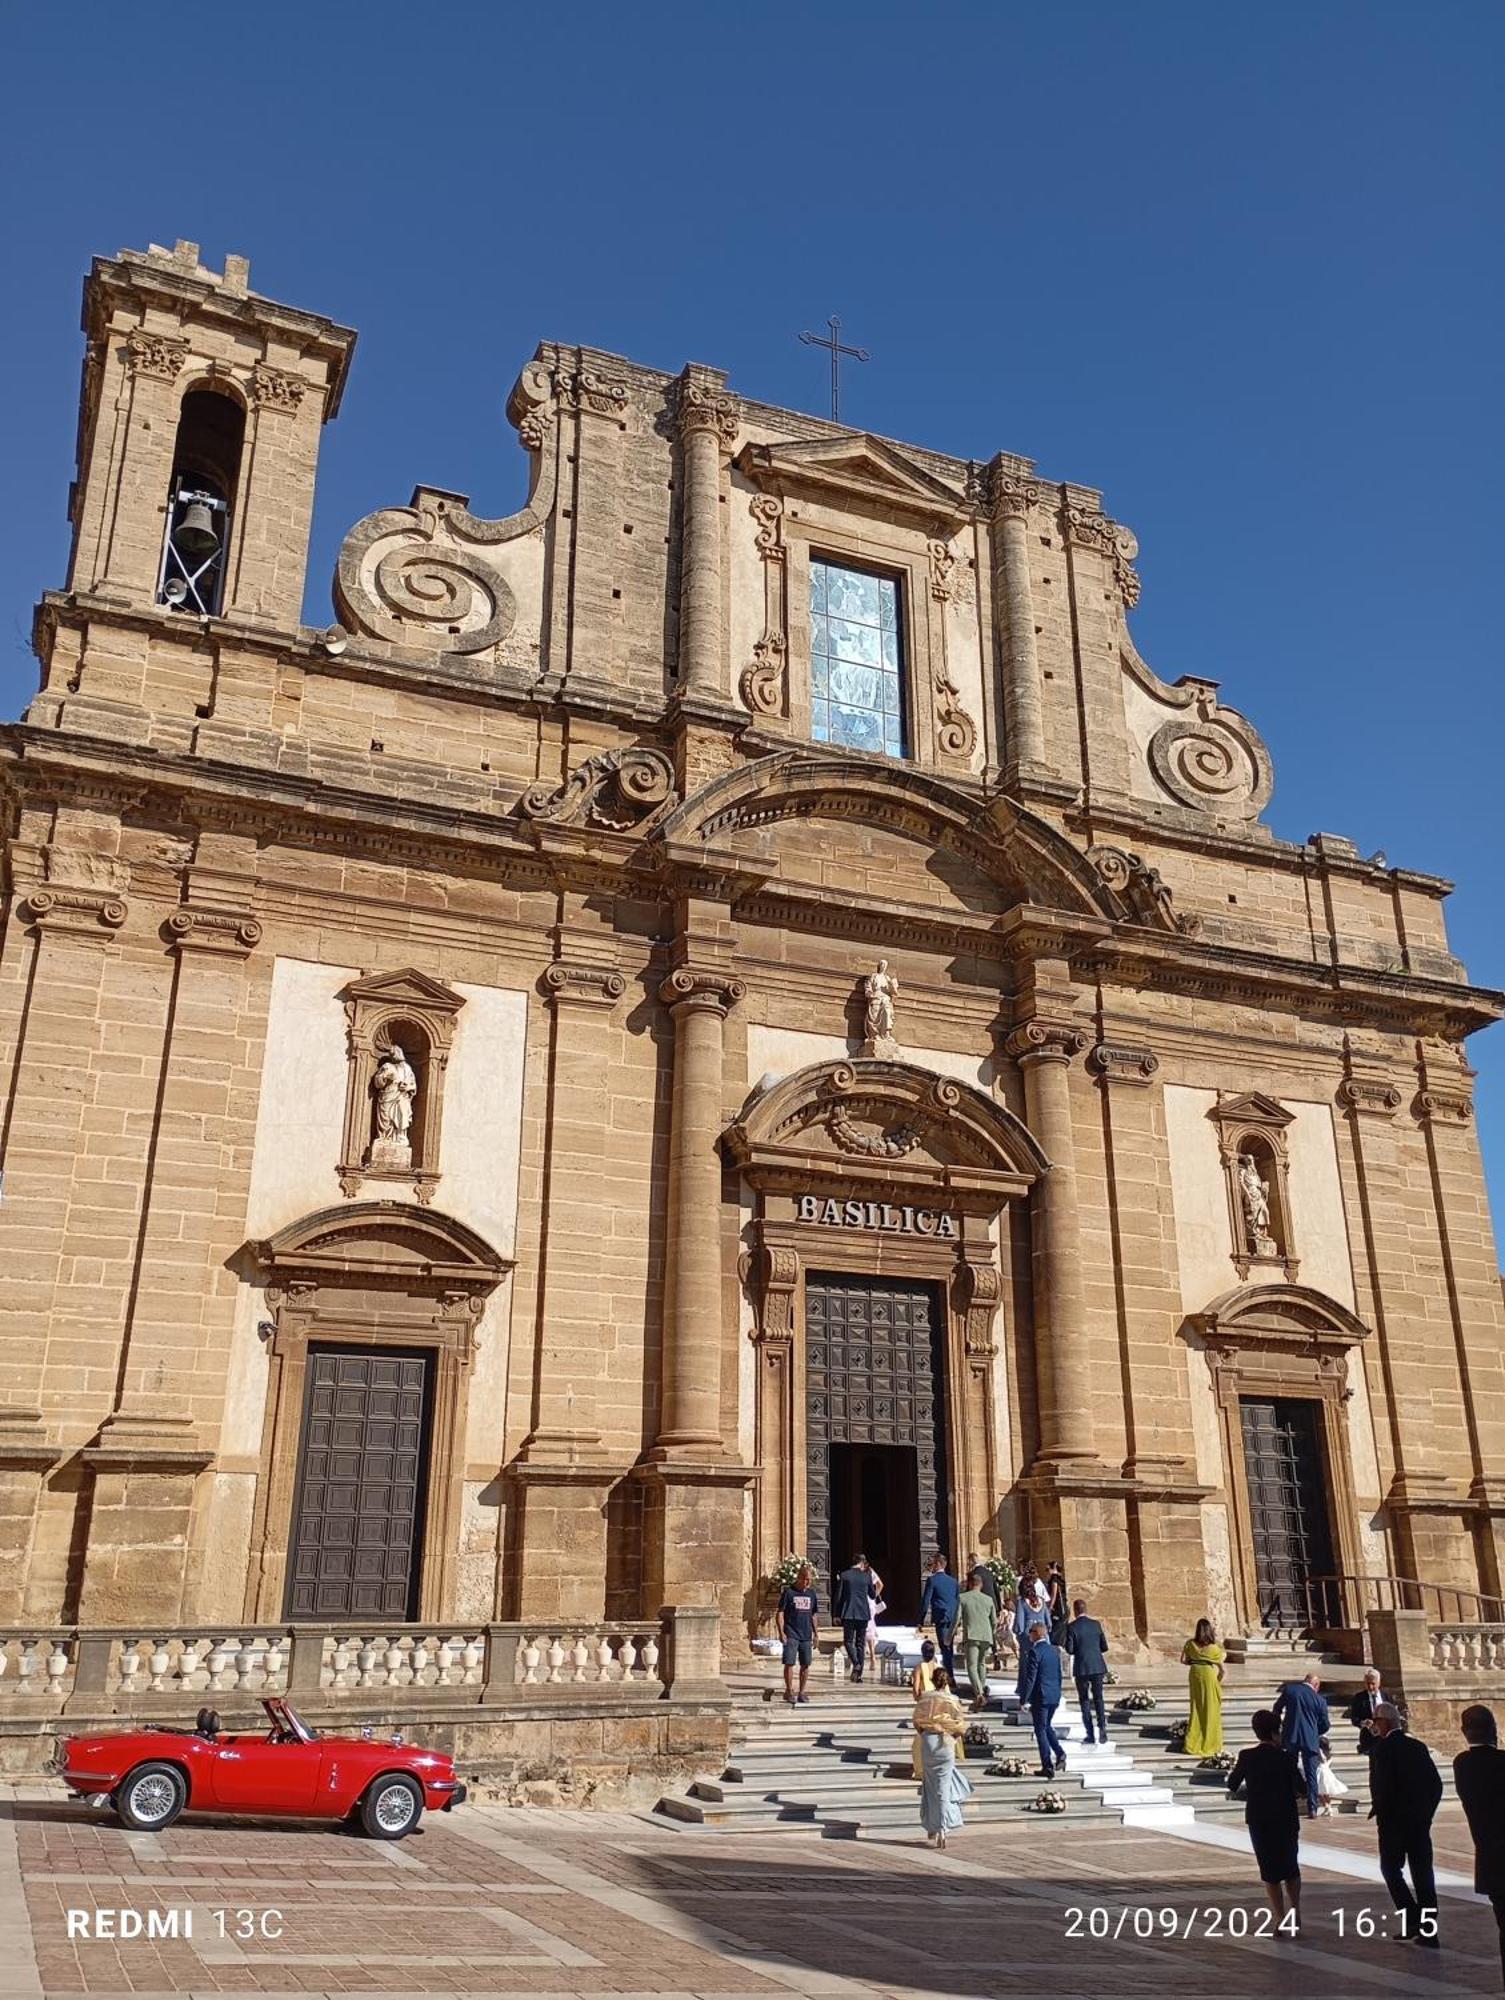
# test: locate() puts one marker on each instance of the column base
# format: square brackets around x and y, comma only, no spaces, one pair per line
[145,1470]
[557,1535]
[695,1536]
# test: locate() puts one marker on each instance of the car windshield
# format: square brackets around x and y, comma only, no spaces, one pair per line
[287,1723]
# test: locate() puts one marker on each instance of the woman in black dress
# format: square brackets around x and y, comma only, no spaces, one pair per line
[1264,1777]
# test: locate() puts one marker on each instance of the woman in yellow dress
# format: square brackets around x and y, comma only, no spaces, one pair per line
[1204,1656]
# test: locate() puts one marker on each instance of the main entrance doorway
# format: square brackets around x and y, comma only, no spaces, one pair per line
[1288,1512]
[362,1477]
[874,1429]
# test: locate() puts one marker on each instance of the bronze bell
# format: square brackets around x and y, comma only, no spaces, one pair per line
[196,537]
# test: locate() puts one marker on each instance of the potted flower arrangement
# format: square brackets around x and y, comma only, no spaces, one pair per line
[1139,1700]
[1004,1575]
[1008,1767]
[1177,1734]
[1048,1802]
[1221,1760]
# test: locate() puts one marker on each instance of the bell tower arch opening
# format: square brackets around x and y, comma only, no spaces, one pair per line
[201,492]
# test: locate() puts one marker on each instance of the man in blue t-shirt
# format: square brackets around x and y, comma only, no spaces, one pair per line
[798,1622]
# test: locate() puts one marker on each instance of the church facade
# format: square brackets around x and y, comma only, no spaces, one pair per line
[727,1012]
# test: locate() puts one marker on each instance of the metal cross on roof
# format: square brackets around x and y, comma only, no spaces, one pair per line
[833,341]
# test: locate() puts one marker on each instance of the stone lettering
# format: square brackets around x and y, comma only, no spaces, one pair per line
[805,1208]
[881,1216]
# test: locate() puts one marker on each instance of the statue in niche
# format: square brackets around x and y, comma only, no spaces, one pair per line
[879,990]
[1255,1197]
[394,1088]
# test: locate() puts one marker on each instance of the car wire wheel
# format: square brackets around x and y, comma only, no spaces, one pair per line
[391,1808]
[151,1797]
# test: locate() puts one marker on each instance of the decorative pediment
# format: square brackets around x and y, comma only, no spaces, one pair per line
[854,467]
[379,1239]
[882,1126]
[1277,1316]
[407,988]
[1251,1107]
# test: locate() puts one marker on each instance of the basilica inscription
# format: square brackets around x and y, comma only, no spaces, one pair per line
[900,1218]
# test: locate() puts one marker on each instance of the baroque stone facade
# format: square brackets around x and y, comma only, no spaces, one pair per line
[463,1155]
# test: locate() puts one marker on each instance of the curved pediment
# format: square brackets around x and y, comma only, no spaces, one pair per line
[873,1122]
[380,1239]
[1021,857]
[1281,1315]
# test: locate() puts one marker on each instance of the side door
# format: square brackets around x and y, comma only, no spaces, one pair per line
[251,1774]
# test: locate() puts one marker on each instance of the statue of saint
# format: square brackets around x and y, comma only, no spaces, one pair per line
[394,1087]
[880,990]
[1255,1197]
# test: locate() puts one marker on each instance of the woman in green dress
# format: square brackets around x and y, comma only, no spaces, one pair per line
[1204,1656]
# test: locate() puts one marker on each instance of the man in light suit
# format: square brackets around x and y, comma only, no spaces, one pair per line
[1303,1718]
[1040,1692]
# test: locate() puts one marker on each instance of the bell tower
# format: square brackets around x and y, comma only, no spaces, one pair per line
[198,441]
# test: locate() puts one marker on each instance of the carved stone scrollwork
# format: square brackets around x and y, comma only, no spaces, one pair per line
[1011,498]
[1114,1063]
[892,1144]
[777,1270]
[1109,539]
[276,388]
[586,389]
[955,731]
[1210,764]
[1444,1107]
[1142,889]
[1046,1041]
[687,986]
[978,1292]
[767,509]
[1369,1094]
[762,684]
[702,408]
[76,910]
[594,985]
[943,562]
[615,788]
[158,355]
[230,932]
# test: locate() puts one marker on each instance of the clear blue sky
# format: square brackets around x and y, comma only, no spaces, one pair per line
[1240,267]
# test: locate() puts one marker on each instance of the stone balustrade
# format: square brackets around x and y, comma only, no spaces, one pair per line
[1467,1649]
[154,1669]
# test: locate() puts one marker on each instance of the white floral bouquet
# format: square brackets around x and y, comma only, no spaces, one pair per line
[1004,1575]
[1008,1767]
[1139,1700]
[1048,1802]
[787,1572]
[1177,1733]
[1221,1760]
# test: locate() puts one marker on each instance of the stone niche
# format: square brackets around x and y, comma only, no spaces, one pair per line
[401,1029]
[1252,1144]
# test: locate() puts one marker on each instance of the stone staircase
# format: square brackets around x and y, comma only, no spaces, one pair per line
[841,1765]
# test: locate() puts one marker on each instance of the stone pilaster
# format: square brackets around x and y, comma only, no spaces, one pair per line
[707,419]
[1023,713]
[26,1457]
[561,1477]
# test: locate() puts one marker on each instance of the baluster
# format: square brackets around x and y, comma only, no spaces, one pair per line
[245,1660]
[474,1654]
[650,1658]
[528,1655]
[130,1665]
[580,1658]
[332,1673]
[556,1658]
[273,1663]
[425,1653]
[392,1661]
[366,1661]
[628,1656]
[57,1667]
[5,1646]
[161,1660]
[604,1661]
[444,1661]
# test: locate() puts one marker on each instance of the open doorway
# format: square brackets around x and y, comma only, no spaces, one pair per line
[875,1509]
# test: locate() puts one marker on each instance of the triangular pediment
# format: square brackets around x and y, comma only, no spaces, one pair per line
[407,988]
[1251,1107]
[857,466]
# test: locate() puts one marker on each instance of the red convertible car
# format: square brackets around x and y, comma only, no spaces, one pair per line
[151,1775]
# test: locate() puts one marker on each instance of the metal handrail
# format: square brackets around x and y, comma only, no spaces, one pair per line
[1341,1601]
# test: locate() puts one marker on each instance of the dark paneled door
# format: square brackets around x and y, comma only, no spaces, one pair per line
[1288,1513]
[873,1378]
[363,1469]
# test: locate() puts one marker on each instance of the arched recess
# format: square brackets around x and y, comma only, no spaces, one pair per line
[373,1284]
[1021,855]
[1276,1344]
[885,1171]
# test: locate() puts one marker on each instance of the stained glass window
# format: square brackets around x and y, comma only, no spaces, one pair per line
[856,660]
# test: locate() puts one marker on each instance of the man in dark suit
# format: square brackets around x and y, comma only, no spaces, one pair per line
[938,1608]
[854,1606]
[1087,1643]
[1302,1715]
[1361,1709]
[1406,1788]
[1479,1773]
[1040,1692]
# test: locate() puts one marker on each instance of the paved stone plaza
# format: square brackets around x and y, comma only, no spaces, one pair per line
[544,1904]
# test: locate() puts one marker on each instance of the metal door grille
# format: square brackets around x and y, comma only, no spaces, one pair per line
[1287,1504]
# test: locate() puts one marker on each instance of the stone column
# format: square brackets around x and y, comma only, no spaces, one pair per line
[561,1475]
[1043,1049]
[1023,706]
[707,431]
[693,1516]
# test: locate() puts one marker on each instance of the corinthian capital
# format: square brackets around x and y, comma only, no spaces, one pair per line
[1046,1041]
[705,406]
[691,989]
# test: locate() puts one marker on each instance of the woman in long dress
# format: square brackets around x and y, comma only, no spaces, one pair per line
[1204,1657]
[1030,1601]
[940,1725]
[875,1609]
[921,1682]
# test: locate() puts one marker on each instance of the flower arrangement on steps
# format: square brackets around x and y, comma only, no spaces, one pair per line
[1008,1767]
[1221,1760]
[1047,1802]
[1139,1701]
[1004,1575]
[1176,1734]
[785,1573]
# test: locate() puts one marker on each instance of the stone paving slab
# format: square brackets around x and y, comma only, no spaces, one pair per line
[539,1904]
